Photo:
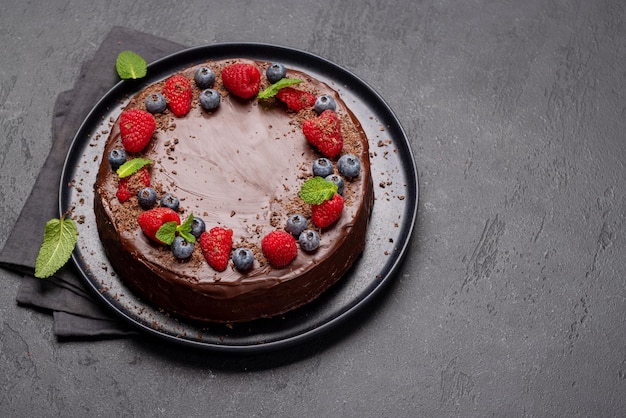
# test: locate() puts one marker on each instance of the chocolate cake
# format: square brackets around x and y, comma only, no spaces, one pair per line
[239,167]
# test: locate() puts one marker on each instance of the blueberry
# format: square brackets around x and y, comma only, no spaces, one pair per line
[309,240]
[296,224]
[243,259]
[204,77]
[322,167]
[275,72]
[338,181]
[117,157]
[349,165]
[181,248]
[324,103]
[210,99]
[170,201]
[147,197]
[155,103]
[197,227]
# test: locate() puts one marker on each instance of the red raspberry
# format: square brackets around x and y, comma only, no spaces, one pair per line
[136,129]
[151,220]
[242,80]
[216,245]
[279,247]
[296,100]
[177,92]
[328,212]
[324,133]
[130,186]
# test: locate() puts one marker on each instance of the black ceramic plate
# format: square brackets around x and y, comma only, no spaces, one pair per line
[392,222]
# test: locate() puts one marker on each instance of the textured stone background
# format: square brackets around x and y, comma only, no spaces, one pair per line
[512,300]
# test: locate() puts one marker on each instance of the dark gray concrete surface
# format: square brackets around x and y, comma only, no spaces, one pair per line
[512,301]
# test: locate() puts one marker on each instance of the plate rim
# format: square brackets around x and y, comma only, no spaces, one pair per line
[409,222]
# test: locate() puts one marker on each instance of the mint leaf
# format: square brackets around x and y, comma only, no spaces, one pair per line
[272,90]
[130,167]
[130,65]
[167,232]
[316,190]
[59,240]
[184,230]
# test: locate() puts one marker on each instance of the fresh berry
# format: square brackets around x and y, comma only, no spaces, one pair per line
[197,227]
[129,186]
[296,224]
[309,240]
[322,167]
[328,212]
[177,92]
[279,247]
[295,99]
[136,129]
[216,245]
[181,248]
[117,157]
[123,193]
[170,201]
[338,180]
[275,72]
[243,259]
[147,197]
[210,99]
[349,166]
[151,220]
[324,133]
[156,103]
[204,77]
[324,103]
[241,79]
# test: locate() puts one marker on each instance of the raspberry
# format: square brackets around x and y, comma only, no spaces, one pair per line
[296,100]
[216,245]
[328,212]
[279,247]
[324,133]
[136,129]
[130,186]
[151,220]
[123,191]
[242,80]
[177,91]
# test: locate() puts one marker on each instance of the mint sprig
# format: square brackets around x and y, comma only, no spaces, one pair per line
[184,230]
[167,232]
[272,90]
[316,190]
[130,65]
[130,167]
[59,240]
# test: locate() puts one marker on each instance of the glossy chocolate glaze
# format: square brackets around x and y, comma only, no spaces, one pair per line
[240,167]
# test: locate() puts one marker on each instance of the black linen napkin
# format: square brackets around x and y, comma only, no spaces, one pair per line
[76,312]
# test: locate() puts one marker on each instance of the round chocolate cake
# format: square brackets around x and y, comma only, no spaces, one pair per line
[234,190]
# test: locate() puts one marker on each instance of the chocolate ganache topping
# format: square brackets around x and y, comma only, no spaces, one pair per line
[240,167]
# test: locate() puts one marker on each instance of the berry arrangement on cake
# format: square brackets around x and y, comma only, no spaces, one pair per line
[234,190]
